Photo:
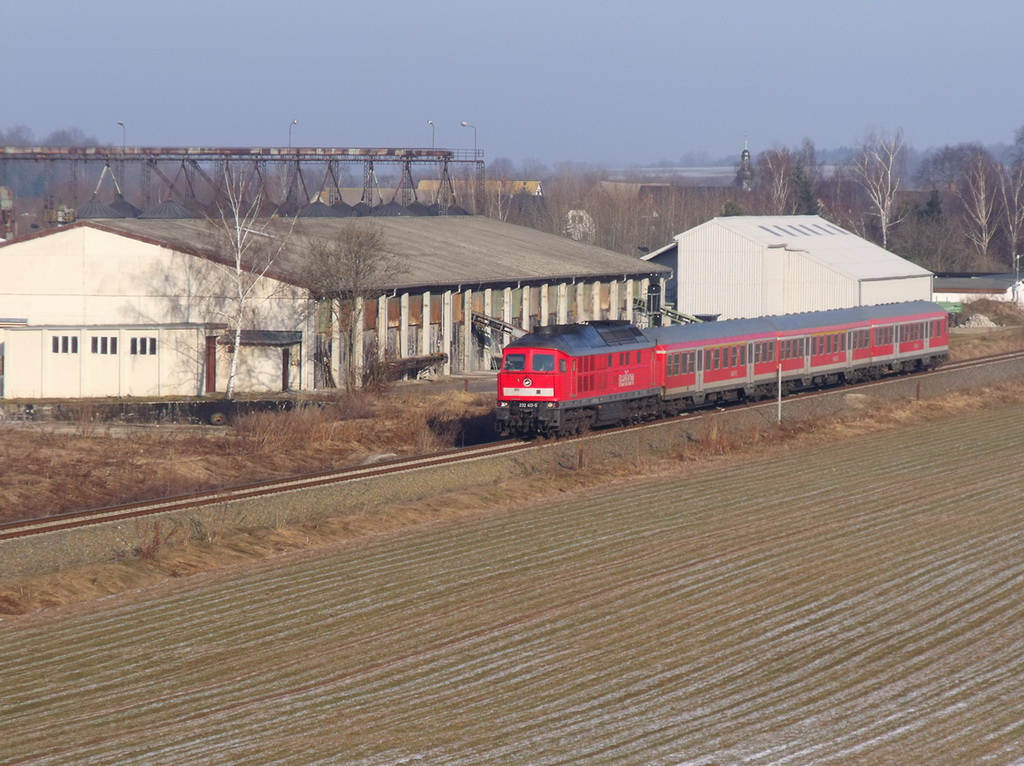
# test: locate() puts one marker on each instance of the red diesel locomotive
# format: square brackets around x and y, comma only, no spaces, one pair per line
[564,379]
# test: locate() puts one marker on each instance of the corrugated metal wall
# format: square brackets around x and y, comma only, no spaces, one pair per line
[896,290]
[720,272]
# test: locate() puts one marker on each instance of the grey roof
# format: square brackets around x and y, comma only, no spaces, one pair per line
[96,209]
[981,282]
[822,241]
[318,210]
[391,209]
[342,209]
[437,252]
[788,322]
[263,338]
[168,209]
[123,206]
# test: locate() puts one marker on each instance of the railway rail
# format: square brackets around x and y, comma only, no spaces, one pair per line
[65,521]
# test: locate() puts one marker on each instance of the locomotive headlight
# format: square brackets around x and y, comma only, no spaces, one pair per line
[503,404]
[551,405]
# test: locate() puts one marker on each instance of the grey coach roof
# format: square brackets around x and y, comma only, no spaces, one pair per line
[443,251]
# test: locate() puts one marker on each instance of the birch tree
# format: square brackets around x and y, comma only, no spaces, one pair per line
[1011,196]
[251,247]
[979,195]
[878,169]
[775,172]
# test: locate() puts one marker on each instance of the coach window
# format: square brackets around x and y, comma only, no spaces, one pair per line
[543,362]
[513,362]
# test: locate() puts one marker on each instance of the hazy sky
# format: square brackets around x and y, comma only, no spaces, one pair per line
[597,81]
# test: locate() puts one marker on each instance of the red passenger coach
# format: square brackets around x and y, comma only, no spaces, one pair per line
[563,379]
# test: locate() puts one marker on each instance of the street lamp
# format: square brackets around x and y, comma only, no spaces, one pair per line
[1016,278]
[431,124]
[290,126]
[123,134]
[467,125]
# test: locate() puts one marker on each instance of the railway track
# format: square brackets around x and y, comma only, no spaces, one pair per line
[38,526]
[25,528]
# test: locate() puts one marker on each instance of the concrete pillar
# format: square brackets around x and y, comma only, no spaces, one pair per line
[545,308]
[382,327]
[357,346]
[489,302]
[467,330]
[629,301]
[506,314]
[447,341]
[403,326]
[525,321]
[425,330]
[563,303]
[613,299]
[595,301]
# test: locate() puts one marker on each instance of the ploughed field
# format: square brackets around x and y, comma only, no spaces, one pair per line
[859,602]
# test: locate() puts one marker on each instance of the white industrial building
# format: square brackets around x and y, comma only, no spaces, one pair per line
[749,266]
[143,307]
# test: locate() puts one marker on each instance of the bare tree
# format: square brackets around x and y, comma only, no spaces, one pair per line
[347,271]
[943,168]
[775,172]
[1011,196]
[252,248]
[878,168]
[979,195]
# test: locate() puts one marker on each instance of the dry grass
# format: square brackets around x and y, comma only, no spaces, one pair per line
[1008,336]
[160,560]
[90,465]
[46,472]
[1001,313]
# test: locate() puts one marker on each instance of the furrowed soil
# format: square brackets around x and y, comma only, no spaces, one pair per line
[849,595]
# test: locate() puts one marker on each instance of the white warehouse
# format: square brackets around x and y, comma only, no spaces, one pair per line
[750,266]
[134,307]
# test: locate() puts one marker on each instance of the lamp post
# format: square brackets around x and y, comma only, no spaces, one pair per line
[479,174]
[123,135]
[1016,278]
[467,125]
[431,124]
[292,124]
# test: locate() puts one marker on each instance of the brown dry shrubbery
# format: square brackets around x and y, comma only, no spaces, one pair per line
[1002,313]
[1009,335]
[46,471]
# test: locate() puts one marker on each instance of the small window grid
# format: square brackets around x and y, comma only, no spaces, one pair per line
[64,344]
[104,344]
[142,346]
